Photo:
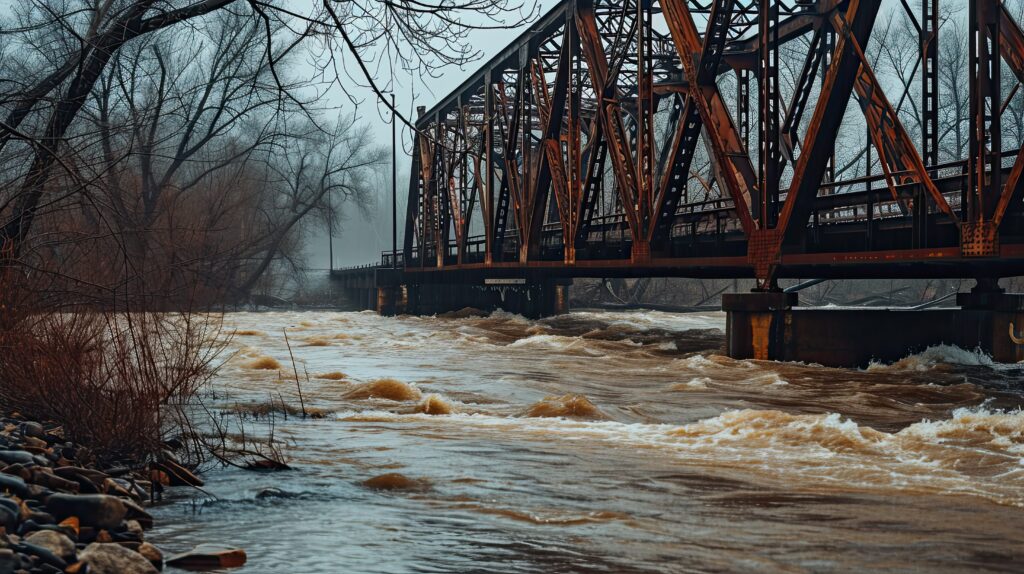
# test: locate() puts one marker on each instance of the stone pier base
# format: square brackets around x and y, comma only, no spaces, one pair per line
[771,326]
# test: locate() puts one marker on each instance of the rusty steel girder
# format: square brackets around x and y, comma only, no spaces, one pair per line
[603,138]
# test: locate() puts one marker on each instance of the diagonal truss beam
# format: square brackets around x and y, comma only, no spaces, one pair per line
[737,169]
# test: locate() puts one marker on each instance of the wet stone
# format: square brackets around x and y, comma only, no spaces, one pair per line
[97,510]
[8,561]
[16,457]
[115,559]
[32,429]
[208,557]
[151,553]
[55,542]
[13,484]
[44,555]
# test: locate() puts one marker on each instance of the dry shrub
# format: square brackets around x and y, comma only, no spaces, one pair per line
[118,382]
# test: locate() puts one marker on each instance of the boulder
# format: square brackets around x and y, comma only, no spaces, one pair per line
[42,518]
[99,510]
[178,475]
[13,484]
[136,512]
[36,443]
[8,519]
[32,429]
[209,557]
[18,470]
[110,486]
[52,481]
[152,553]
[9,561]
[55,542]
[114,559]
[16,457]
[43,555]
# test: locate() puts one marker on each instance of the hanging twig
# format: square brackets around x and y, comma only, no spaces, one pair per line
[295,369]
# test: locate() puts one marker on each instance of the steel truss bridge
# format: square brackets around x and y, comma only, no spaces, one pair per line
[699,138]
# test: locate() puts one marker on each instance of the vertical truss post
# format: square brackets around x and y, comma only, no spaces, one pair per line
[769,152]
[522,204]
[439,189]
[461,218]
[412,204]
[929,40]
[743,105]
[930,82]
[827,45]
[984,175]
[574,143]
[641,249]
[487,183]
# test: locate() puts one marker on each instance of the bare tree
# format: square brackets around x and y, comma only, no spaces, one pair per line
[317,174]
[41,110]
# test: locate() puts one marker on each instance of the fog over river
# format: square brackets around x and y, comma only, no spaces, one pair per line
[608,442]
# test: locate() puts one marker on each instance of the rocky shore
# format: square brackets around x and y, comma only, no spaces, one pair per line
[60,514]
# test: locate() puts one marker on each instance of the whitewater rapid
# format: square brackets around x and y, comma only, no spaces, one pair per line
[601,441]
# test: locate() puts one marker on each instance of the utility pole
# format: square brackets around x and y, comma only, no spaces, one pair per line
[330,233]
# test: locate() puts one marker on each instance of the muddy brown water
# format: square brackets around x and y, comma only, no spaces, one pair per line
[608,442]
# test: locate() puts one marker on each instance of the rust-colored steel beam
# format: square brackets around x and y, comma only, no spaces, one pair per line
[737,169]
[600,139]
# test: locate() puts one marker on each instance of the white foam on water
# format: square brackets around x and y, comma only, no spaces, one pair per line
[953,456]
[647,320]
[936,356]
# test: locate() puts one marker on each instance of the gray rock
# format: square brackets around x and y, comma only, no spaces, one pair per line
[15,457]
[136,512]
[44,555]
[8,561]
[33,429]
[114,559]
[98,510]
[8,519]
[9,504]
[54,542]
[13,484]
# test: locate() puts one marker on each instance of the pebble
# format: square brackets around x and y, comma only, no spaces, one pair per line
[58,515]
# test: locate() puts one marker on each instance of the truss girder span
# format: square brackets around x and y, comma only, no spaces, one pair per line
[759,138]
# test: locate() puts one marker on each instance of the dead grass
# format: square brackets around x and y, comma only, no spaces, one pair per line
[332,376]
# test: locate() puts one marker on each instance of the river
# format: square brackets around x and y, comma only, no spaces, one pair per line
[607,442]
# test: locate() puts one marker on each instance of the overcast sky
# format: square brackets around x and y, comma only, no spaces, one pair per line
[363,238]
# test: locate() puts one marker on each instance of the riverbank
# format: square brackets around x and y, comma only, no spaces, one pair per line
[59,513]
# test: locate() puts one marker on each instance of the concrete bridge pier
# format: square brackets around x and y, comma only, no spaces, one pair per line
[772,326]
[396,291]
[532,299]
